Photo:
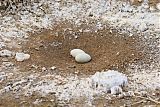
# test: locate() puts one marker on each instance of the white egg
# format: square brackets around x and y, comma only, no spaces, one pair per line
[75,52]
[82,58]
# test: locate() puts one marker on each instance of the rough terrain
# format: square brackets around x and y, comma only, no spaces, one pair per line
[117,35]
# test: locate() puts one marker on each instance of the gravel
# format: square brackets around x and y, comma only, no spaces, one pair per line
[5,53]
[71,87]
[131,20]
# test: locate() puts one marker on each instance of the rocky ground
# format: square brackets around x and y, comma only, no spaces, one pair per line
[37,70]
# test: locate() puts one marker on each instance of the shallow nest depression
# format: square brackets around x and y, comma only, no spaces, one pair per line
[108,50]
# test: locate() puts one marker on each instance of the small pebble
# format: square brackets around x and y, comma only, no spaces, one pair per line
[34,66]
[146,6]
[128,94]
[143,27]
[152,8]
[8,64]
[21,56]
[5,60]
[44,69]
[76,37]
[110,31]
[116,90]
[5,53]
[53,68]
[143,93]
[158,6]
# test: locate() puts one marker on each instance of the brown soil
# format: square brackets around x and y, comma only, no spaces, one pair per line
[102,46]
[108,50]
[28,101]
[52,47]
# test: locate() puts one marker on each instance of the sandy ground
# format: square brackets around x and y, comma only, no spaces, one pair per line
[122,38]
[108,50]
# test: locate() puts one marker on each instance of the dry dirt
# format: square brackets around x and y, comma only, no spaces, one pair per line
[51,48]
[108,50]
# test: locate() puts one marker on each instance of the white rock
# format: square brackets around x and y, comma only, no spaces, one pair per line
[158,6]
[146,6]
[83,58]
[143,27]
[129,94]
[108,79]
[116,90]
[21,56]
[2,76]
[152,8]
[53,68]
[75,52]
[2,45]
[44,69]
[7,64]
[5,53]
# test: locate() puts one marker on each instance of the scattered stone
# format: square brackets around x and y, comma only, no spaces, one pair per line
[16,97]
[19,43]
[131,93]
[134,17]
[153,94]
[7,88]
[37,101]
[110,31]
[158,6]
[9,75]
[37,49]
[53,68]
[21,56]
[143,93]
[5,60]
[2,45]
[128,94]
[80,30]
[72,66]
[121,95]
[76,72]
[146,6]
[44,69]
[76,37]
[116,90]
[8,64]
[2,76]
[143,27]
[55,44]
[34,66]
[25,37]
[75,52]
[83,58]
[5,53]
[117,53]
[152,8]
